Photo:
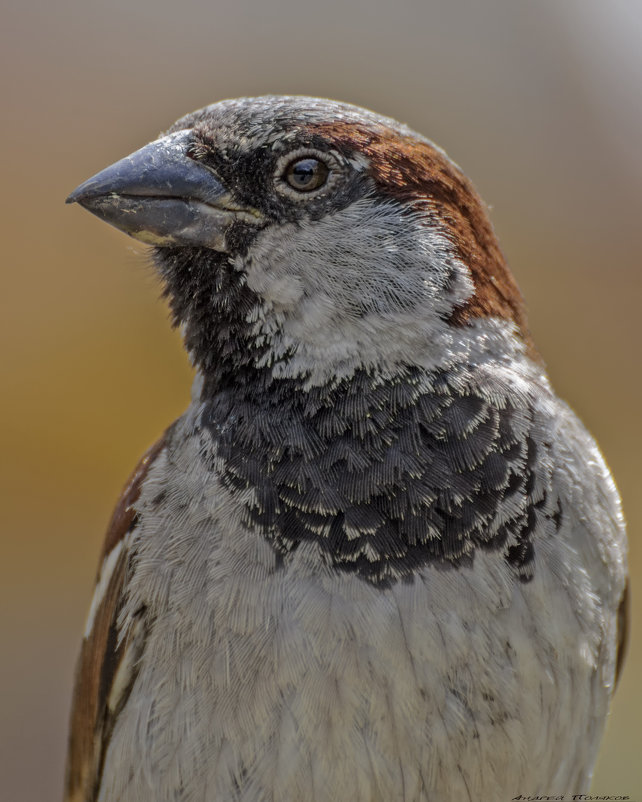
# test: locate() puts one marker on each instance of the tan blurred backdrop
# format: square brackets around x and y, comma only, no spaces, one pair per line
[540,104]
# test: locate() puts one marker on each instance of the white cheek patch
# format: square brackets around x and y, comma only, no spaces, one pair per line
[278,290]
[369,257]
[368,284]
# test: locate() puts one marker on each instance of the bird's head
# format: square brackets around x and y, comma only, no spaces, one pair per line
[306,238]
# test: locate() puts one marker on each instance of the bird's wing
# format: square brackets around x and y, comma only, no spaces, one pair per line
[623,624]
[107,665]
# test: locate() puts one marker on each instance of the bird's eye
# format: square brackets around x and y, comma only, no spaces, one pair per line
[306,174]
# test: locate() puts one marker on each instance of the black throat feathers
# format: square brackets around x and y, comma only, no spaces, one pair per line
[385,476]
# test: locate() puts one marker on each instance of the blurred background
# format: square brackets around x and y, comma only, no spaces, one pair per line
[538,102]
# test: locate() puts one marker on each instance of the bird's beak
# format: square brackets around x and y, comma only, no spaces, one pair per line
[162,196]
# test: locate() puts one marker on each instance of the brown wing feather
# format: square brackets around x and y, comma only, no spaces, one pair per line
[96,701]
[623,618]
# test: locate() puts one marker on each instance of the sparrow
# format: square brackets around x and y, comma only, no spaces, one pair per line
[377,558]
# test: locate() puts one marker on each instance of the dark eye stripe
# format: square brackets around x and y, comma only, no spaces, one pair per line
[306,174]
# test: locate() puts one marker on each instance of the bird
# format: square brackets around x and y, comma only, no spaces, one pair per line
[377,558]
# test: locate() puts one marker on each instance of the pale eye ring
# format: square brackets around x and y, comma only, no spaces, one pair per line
[306,174]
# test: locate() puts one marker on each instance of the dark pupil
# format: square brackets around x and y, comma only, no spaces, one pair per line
[306,174]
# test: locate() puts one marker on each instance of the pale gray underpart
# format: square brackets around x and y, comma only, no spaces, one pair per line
[297,682]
